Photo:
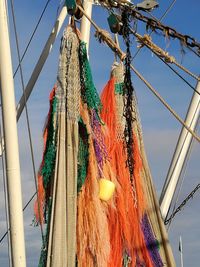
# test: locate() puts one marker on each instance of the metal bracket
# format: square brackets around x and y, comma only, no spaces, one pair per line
[147,5]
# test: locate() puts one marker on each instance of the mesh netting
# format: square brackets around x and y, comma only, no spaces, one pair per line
[83,155]
[50,152]
[88,90]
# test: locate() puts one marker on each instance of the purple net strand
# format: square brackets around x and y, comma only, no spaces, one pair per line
[99,145]
[151,242]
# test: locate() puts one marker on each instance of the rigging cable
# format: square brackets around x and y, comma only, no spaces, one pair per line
[26,111]
[179,75]
[165,104]
[27,204]
[167,182]
[167,10]
[186,40]
[32,35]
[197,54]
[183,203]
[175,210]
[23,55]
[160,19]
[146,40]
[5,192]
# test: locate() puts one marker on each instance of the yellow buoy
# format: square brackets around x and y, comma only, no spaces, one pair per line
[106,189]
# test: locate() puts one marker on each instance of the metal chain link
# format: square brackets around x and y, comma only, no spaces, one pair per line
[167,221]
[154,24]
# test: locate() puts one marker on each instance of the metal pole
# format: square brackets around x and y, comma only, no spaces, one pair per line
[85,23]
[45,52]
[180,154]
[11,144]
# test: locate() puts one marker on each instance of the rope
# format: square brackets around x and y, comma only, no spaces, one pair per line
[26,109]
[165,104]
[120,53]
[196,53]
[179,75]
[32,35]
[186,70]
[146,40]
[161,18]
[185,40]
[104,36]
[165,58]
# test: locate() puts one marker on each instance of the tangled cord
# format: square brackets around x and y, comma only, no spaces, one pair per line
[128,94]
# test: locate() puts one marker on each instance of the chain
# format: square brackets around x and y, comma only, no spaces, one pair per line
[167,221]
[168,31]
[154,24]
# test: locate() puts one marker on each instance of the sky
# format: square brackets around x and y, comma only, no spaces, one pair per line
[160,129]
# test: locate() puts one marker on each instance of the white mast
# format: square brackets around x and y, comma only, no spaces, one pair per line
[85,23]
[180,154]
[11,144]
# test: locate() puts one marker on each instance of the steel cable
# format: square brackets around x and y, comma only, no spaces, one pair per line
[26,111]
[32,35]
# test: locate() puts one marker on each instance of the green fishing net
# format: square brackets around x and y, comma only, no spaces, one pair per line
[50,152]
[119,87]
[89,93]
[43,254]
[83,155]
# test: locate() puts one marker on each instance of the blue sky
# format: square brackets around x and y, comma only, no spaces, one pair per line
[160,129]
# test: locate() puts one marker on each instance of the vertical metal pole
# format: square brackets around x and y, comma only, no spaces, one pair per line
[11,144]
[180,154]
[85,23]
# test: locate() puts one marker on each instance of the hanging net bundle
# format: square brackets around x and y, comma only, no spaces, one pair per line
[96,215]
[143,240]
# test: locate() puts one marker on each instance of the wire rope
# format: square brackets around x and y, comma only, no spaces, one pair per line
[174,62]
[160,19]
[165,104]
[146,41]
[167,10]
[26,110]
[183,173]
[167,181]
[27,204]
[5,192]
[179,75]
[32,35]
